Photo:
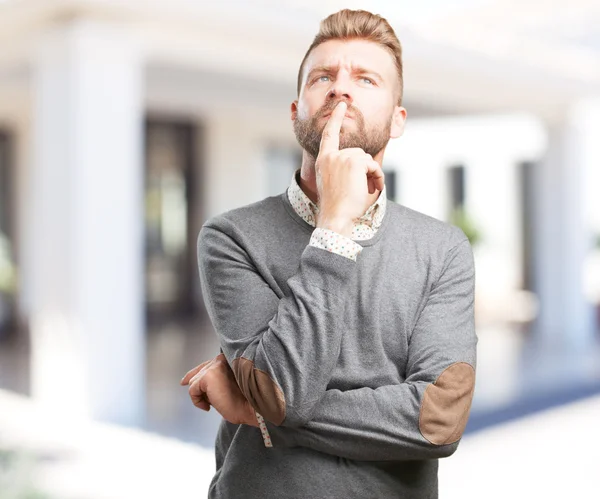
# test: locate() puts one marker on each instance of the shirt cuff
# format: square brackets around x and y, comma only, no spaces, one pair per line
[263,429]
[335,243]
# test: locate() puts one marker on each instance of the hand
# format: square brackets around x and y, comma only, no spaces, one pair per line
[345,178]
[213,383]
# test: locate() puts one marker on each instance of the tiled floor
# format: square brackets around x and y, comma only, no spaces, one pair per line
[172,351]
[552,454]
[516,377]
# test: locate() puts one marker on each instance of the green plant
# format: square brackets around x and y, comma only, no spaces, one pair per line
[7,268]
[460,218]
[16,476]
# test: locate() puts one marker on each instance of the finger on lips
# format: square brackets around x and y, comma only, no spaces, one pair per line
[330,139]
[330,142]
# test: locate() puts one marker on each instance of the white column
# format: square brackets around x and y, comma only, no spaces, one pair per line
[561,234]
[422,169]
[589,112]
[87,223]
[492,203]
[235,171]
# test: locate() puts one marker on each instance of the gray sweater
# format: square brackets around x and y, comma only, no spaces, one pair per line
[364,371]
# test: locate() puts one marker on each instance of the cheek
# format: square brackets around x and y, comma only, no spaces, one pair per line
[311,102]
[377,117]
[382,113]
[375,108]
[306,110]
[302,114]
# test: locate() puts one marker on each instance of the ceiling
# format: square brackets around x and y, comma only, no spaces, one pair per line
[463,55]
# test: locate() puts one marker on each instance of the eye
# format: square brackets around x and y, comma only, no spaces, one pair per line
[323,78]
[367,80]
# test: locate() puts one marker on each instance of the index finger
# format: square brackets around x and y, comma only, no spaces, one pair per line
[192,372]
[330,140]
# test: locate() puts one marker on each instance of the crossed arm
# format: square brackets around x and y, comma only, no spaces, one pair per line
[282,351]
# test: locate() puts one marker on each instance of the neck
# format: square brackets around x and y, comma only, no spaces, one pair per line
[308,177]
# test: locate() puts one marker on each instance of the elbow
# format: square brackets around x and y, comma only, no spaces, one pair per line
[267,397]
[445,408]
[262,391]
[442,451]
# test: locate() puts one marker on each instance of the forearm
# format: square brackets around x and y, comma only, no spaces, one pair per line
[424,416]
[284,355]
[395,422]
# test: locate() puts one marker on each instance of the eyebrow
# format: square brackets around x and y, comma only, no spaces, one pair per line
[331,69]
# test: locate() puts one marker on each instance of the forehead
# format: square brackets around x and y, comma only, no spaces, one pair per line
[352,53]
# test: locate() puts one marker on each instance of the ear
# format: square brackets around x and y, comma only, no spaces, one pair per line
[294,110]
[398,120]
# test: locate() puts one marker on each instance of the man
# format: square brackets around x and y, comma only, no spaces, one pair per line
[345,320]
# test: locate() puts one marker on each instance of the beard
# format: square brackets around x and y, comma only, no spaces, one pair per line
[370,139]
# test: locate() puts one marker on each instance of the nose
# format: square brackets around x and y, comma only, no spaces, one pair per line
[339,96]
[341,90]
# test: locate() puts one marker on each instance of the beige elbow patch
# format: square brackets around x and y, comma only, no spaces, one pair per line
[260,389]
[446,404]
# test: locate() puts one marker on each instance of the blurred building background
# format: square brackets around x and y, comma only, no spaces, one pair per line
[124,125]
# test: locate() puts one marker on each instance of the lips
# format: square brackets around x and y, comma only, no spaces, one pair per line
[345,116]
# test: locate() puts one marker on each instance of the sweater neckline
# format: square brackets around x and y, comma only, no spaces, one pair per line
[309,228]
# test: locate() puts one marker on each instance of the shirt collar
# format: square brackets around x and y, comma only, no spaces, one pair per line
[308,210]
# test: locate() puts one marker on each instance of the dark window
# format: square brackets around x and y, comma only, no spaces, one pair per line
[5,186]
[281,163]
[525,172]
[170,205]
[456,186]
[8,271]
[391,183]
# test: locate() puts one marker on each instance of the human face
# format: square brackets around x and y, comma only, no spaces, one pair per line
[363,74]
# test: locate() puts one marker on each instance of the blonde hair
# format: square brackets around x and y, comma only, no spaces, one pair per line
[358,24]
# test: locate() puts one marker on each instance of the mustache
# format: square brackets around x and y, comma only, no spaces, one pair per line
[329,106]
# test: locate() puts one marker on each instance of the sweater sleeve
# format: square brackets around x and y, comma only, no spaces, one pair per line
[424,416]
[282,349]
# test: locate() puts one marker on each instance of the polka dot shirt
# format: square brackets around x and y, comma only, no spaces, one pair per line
[365,226]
